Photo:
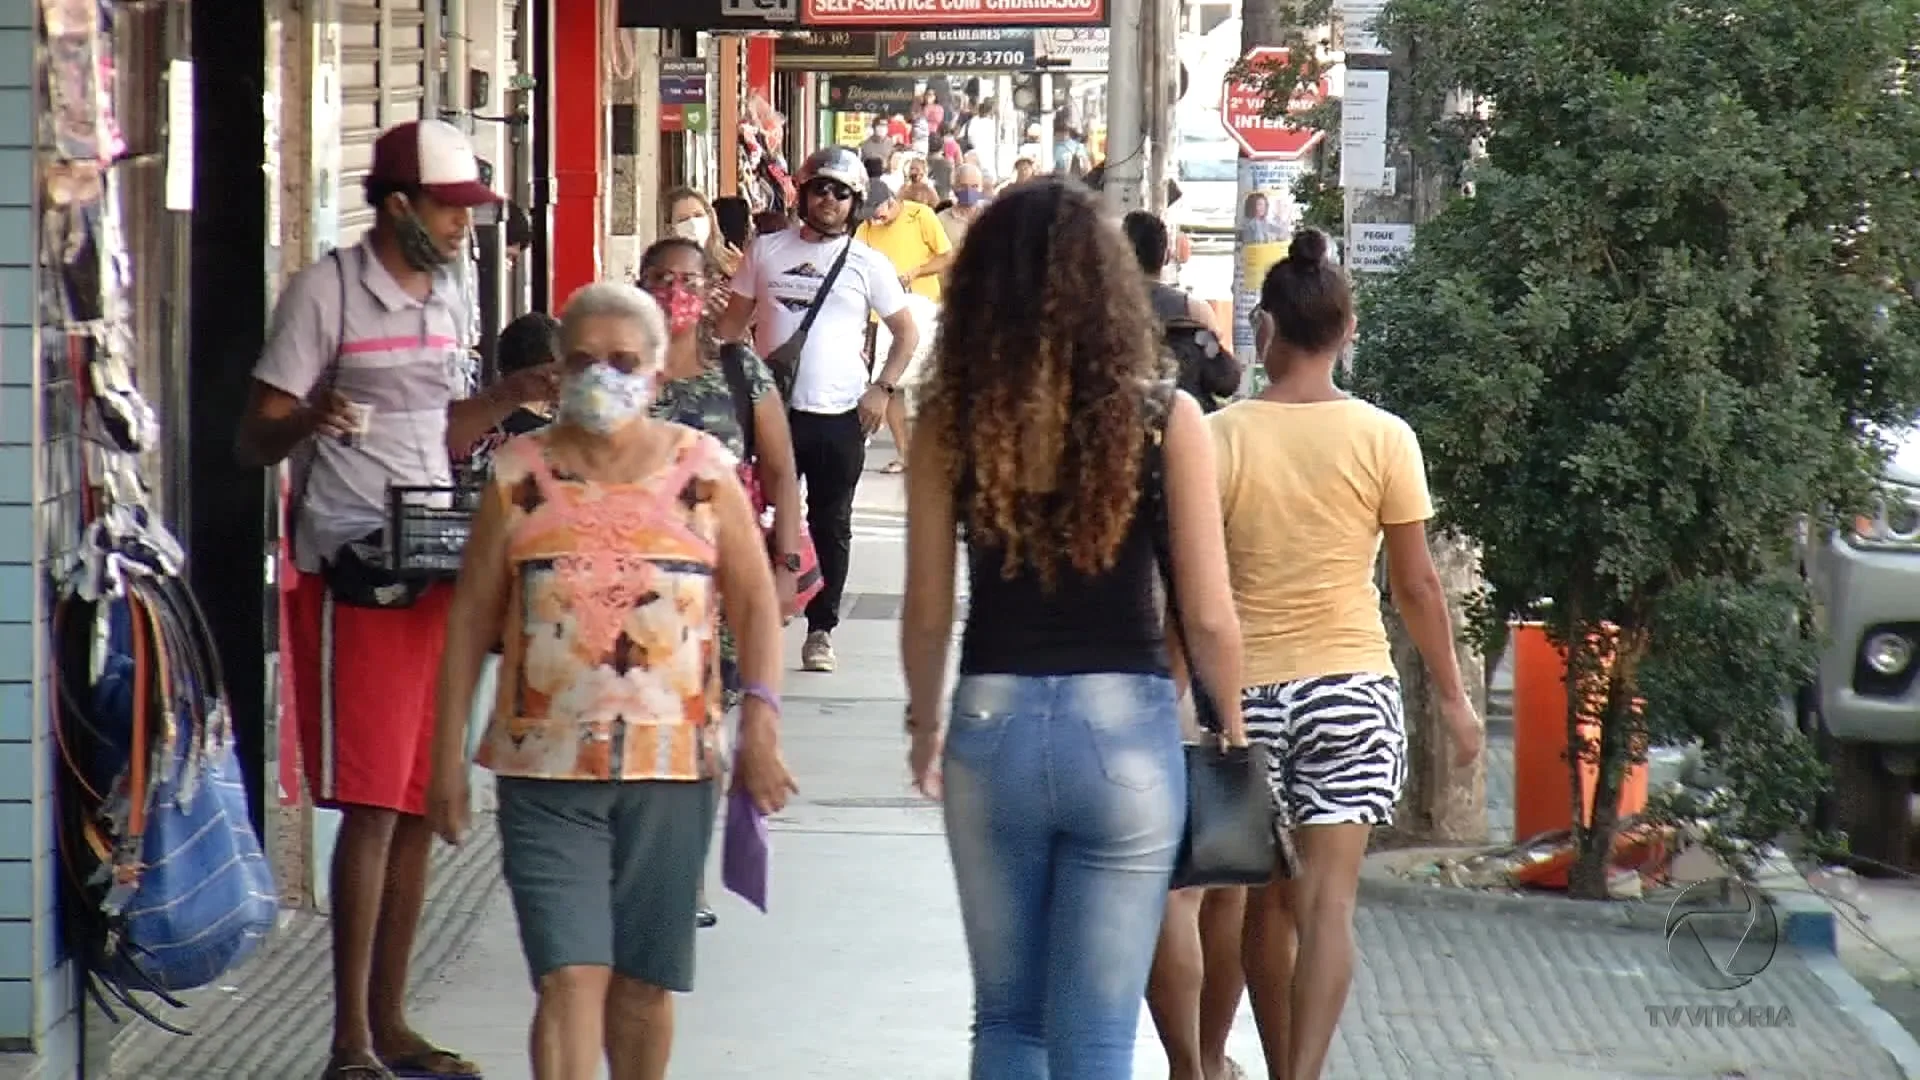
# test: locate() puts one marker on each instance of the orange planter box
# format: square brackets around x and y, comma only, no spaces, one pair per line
[1541,797]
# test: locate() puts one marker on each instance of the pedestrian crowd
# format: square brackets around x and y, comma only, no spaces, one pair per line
[663,477]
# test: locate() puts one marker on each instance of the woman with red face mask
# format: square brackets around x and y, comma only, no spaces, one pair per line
[697,391]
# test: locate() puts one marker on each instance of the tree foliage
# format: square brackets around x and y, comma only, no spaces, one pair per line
[1656,335]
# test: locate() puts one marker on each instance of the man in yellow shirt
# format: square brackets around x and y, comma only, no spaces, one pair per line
[913,240]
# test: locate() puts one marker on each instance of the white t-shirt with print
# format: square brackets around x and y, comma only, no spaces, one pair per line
[782,274]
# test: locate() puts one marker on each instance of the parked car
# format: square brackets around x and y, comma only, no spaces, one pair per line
[1864,708]
[1209,176]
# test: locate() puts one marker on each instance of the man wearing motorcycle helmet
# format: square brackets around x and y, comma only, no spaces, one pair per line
[813,289]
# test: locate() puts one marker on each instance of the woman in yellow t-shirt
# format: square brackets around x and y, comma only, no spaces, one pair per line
[1311,482]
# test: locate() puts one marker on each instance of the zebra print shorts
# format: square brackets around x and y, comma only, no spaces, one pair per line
[1337,746]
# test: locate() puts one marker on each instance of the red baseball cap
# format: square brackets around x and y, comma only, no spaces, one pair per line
[435,157]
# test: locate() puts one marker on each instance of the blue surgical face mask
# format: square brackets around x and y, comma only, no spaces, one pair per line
[603,399]
[967,196]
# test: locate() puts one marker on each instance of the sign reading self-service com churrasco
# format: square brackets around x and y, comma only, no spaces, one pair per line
[893,14]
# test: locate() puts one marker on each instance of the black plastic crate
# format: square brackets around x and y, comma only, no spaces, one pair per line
[427,529]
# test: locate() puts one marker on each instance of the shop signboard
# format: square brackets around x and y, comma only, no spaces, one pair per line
[826,50]
[871,93]
[1073,48]
[956,50]
[947,14]
[683,82]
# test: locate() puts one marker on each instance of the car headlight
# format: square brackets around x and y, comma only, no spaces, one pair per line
[1894,523]
[1887,654]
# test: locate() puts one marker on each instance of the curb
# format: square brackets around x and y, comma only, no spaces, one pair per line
[1807,921]
[1857,1002]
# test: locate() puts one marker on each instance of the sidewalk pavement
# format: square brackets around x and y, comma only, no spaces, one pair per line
[859,972]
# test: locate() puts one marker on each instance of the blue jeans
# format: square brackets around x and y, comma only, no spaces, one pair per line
[1065,800]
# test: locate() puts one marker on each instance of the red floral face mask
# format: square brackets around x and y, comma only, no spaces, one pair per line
[683,306]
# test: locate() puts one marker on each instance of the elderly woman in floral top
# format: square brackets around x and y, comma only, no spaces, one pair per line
[604,550]
[696,392]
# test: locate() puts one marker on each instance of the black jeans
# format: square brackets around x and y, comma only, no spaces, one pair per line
[830,452]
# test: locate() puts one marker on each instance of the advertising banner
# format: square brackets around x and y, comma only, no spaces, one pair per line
[1074,48]
[956,50]
[871,93]
[892,14]
[683,82]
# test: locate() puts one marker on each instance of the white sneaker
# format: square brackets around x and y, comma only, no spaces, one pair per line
[817,653]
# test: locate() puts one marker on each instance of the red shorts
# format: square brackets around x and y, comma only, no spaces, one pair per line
[363,695]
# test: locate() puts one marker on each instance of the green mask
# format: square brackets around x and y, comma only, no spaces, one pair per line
[416,244]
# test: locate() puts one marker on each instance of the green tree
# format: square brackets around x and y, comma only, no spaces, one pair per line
[1656,336]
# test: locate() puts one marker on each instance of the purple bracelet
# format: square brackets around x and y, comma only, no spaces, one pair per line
[755,690]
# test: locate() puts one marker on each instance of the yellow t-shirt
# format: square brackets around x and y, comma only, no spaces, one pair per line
[909,241]
[1306,490]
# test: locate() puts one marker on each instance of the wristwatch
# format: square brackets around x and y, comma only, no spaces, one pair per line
[791,561]
[886,388]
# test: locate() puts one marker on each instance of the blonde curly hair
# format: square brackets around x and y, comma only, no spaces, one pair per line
[1038,383]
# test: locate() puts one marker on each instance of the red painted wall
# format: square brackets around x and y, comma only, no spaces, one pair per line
[579,123]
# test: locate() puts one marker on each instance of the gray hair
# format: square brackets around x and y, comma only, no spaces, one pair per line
[615,300]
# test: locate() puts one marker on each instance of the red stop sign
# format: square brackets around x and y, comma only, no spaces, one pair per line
[1242,105]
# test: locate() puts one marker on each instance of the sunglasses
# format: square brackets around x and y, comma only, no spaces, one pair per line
[832,188]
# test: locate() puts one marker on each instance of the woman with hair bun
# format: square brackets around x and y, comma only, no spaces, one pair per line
[1311,482]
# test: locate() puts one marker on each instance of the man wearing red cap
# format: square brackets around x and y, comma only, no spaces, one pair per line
[362,385]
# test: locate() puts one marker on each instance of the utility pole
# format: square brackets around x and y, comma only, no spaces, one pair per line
[1391,187]
[1126,107]
[1163,77]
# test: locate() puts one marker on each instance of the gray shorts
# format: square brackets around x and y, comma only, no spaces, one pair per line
[605,874]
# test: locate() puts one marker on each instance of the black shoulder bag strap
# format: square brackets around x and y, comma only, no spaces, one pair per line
[826,287]
[733,364]
[327,376]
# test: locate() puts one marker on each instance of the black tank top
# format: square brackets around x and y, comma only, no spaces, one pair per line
[1087,625]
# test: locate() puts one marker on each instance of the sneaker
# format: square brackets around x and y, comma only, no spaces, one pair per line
[817,653]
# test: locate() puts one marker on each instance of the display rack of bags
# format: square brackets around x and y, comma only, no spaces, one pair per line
[163,883]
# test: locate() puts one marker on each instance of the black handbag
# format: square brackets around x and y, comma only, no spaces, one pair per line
[1236,831]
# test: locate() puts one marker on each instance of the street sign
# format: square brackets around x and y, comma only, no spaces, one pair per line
[956,50]
[892,14]
[1243,108]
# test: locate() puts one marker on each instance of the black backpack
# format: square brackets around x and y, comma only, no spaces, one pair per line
[1206,368]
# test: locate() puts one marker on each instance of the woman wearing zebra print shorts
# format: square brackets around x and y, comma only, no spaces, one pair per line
[1311,481]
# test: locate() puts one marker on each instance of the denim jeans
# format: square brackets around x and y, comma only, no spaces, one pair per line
[1065,801]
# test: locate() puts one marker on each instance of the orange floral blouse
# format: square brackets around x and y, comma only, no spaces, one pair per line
[611,667]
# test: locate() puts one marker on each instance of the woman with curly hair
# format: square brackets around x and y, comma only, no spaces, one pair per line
[1053,443]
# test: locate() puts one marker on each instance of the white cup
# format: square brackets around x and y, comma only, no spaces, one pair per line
[360,418]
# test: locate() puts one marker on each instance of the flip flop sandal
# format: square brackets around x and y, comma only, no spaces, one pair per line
[355,1071]
[432,1063]
[894,467]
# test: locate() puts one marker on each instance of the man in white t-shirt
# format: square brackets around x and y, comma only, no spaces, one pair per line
[835,401]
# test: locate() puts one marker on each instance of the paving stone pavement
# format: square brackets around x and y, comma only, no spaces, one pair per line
[272,1019]
[1478,996]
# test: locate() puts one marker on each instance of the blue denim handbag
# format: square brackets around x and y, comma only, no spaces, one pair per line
[188,894]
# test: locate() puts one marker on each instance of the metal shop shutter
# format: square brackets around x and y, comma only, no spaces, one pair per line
[383,81]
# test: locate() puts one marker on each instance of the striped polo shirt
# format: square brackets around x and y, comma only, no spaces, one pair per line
[403,357]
